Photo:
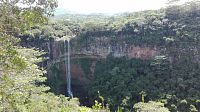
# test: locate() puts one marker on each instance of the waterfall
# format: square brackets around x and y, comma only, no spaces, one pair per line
[67,68]
[49,53]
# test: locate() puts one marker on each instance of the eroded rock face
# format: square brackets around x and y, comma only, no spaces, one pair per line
[77,73]
[101,48]
[132,51]
[97,49]
[114,46]
[118,50]
[142,52]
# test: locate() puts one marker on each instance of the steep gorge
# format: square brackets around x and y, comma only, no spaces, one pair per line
[83,73]
[155,52]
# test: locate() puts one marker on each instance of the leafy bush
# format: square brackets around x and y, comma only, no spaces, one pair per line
[151,106]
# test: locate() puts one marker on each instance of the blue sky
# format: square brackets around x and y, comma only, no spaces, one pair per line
[110,6]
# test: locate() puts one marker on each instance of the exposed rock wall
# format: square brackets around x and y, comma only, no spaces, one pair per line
[99,48]
[130,51]
[103,49]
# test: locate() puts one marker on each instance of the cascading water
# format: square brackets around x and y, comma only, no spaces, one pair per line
[67,65]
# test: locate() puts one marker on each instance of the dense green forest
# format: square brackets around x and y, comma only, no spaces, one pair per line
[144,61]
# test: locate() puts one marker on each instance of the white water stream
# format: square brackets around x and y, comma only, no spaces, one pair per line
[67,68]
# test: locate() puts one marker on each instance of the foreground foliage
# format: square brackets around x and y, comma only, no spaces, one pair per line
[150,107]
[172,77]
[21,79]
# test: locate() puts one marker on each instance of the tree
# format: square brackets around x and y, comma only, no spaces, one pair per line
[21,79]
[18,15]
[21,87]
[150,107]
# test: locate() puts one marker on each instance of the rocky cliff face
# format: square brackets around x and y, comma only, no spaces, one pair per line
[130,51]
[103,48]
[98,48]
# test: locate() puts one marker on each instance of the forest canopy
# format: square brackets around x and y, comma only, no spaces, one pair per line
[31,40]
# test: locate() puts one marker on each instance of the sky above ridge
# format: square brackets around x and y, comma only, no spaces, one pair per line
[110,6]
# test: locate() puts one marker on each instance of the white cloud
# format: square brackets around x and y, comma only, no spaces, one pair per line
[110,6]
